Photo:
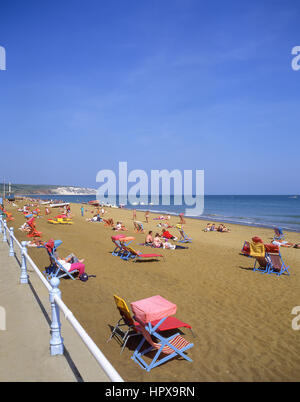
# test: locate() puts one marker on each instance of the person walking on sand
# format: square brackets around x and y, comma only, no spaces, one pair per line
[134,215]
[82,211]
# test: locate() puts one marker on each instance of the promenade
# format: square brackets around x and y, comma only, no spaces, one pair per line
[24,339]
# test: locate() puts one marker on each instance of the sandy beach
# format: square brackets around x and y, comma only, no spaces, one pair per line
[242,319]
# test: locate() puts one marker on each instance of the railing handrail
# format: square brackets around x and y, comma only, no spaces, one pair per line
[107,367]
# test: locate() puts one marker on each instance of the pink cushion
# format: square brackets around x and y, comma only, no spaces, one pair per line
[120,236]
[153,308]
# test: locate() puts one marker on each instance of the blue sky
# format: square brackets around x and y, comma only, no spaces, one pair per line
[173,84]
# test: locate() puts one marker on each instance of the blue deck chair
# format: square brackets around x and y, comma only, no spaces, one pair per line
[276,264]
[184,238]
[52,267]
[56,269]
[279,235]
[119,250]
[61,272]
[171,347]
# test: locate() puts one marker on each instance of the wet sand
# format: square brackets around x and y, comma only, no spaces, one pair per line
[242,319]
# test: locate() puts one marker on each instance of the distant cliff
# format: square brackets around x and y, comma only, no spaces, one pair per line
[27,189]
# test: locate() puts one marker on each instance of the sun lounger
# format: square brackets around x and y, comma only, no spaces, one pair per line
[131,253]
[33,232]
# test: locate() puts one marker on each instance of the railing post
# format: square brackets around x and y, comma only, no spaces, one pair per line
[24,276]
[11,242]
[4,231]
[56,341]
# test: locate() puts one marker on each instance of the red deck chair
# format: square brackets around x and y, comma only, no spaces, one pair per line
[33,232]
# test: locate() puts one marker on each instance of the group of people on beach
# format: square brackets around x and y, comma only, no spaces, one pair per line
[211,227]
[162,240]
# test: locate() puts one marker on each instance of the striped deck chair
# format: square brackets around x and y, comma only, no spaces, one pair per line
[276,264]
[133,328]
[184,238]
[108,222]
[138,227]
[136,256]
[173,346]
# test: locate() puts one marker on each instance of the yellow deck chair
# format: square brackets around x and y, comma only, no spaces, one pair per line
[125,320]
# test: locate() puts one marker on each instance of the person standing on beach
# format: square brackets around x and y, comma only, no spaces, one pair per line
[134,215]
[147,216]
[82,211]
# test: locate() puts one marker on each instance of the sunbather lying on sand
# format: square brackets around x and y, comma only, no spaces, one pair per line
[95,218]
[119,226]
[170,246]
[222,228]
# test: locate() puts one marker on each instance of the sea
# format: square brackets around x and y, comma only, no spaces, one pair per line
[253,210]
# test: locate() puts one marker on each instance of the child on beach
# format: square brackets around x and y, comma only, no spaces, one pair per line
[157,241]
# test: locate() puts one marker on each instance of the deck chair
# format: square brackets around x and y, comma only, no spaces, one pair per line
[51,248]
[184,238]
[173,346]
[257,250]
[276,264]
[118,242]
[33,232]
[134,328]
[131,253]
[246,249]
[138,227]
[279,235]
[108,222]
[56,269]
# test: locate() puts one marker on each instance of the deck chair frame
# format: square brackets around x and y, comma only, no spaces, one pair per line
[138,355]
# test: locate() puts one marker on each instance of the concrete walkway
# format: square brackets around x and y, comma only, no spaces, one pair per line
[24,342]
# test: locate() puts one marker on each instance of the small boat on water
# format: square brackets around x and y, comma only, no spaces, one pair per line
[63,204]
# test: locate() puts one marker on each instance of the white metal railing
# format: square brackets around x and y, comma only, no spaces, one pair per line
[56,341]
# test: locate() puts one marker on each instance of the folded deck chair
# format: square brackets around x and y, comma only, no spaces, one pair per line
[279,235]
[133,328]
[138,227]
[184,238]
[173,346]
[131,253]
[108,222]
